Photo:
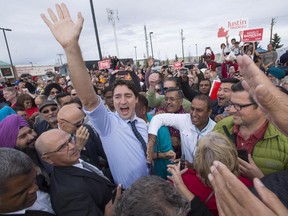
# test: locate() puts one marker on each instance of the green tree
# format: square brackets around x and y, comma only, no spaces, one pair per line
[276,40]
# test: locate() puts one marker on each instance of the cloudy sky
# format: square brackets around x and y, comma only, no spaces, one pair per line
[31,41]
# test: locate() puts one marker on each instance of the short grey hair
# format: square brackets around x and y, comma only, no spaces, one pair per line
[13,163]
[179,91]
[151,195]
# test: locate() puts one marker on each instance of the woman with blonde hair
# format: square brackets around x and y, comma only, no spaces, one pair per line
[195,182]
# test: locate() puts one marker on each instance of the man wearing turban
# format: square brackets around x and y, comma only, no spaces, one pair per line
[16,133]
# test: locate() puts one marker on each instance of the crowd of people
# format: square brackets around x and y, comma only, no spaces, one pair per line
[137,141]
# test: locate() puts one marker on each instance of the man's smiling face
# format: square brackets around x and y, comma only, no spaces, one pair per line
[224,94]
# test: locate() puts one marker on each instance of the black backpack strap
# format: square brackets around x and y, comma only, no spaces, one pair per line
[232,136]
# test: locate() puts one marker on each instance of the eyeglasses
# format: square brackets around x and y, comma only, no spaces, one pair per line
[62,147]
[77,124]
[54,92]
[239,107]
[46,111]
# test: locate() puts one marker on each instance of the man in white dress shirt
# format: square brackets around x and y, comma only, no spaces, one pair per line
[191,126]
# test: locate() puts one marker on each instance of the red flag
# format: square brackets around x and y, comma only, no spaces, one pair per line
[222,32]
[214,89]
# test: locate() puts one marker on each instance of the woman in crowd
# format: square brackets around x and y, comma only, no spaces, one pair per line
[10,94]
[40,87]
[213,146]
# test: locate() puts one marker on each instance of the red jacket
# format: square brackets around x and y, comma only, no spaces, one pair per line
[199,189]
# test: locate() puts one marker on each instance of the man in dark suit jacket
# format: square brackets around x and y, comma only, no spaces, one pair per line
[70,119]
[76,187]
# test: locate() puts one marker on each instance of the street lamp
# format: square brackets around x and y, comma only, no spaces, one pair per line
[60,58]
[151,44]
[112,17]
[4,29]
[135,47]
[95,28]
[182,41]
[189,52]
[197,53]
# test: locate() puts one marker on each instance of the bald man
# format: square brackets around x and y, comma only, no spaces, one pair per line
[76,187]
[71,120]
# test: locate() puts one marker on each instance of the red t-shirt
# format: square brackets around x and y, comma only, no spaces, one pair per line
[31,110]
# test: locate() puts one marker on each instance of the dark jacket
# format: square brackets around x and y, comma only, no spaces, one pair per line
[216,110]
[278,184]
[75,191]
[42,126]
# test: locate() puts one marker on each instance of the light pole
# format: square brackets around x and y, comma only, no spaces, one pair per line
[60,58]
[150,33]
[182,41]
[95,28]
[4,29]
[135,47]
[112,17]
[189,52]
[197,53]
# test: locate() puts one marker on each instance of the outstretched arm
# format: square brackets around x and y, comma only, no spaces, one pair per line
[67,33]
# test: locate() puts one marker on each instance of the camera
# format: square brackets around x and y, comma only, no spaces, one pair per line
[184,71]
[122,72]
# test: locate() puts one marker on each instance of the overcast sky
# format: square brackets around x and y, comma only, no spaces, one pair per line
[31,41]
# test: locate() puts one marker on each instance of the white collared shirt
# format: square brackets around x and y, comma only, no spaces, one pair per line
[189,133]
[42,203]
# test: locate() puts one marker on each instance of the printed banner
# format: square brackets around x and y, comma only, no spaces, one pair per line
[105,64]
[252,35]
[177,65]
[232,27]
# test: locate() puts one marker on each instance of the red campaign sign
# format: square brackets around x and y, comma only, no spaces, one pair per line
[177,65]
[252,35]
[214,89]
[104,64]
